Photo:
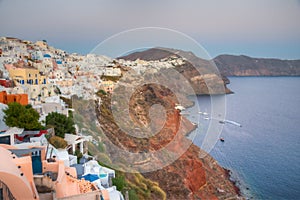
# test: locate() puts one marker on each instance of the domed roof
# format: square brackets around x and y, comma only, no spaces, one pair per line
[47,56]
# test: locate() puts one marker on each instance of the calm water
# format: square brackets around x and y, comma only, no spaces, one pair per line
[263,154]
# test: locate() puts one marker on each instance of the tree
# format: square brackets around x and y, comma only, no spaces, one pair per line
[61,123]
[20,116]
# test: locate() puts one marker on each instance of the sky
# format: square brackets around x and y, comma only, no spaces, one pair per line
[257,28]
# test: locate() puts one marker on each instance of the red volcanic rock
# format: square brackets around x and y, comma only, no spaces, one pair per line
[195,175]
[188,177]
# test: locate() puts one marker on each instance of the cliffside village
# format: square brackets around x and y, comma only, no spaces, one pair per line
[39,75]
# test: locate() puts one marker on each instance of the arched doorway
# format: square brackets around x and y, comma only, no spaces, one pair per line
[5,193]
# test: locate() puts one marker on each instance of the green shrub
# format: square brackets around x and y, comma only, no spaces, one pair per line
[132,195]
[119,182]
[58,142]
[61,123]
[78,154]
[159,191]
[101,91]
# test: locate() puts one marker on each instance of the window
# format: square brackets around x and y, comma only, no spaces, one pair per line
[5,140]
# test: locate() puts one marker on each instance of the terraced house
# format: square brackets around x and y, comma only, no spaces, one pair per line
[33,81]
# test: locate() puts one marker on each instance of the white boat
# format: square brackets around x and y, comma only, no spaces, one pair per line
[179,107]
[195,124]
[184,113]
[203,113]
[228,121]
[232,122]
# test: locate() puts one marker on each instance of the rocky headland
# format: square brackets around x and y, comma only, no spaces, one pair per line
[230,65]
[189,176]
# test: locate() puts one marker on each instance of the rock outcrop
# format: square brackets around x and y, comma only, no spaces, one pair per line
[202,74]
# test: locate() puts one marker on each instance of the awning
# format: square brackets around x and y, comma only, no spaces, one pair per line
[91,177]
[22,152]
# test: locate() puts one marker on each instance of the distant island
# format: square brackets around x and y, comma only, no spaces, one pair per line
[230,65]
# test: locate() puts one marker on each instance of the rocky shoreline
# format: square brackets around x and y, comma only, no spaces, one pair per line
[228,173]
[236,187]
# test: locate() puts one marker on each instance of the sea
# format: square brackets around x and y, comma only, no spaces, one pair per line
[263,154]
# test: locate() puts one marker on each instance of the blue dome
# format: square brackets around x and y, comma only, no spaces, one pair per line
[59,62]
[47,56]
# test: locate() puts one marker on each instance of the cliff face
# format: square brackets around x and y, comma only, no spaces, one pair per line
[188,177]
[230,65]
[202,74]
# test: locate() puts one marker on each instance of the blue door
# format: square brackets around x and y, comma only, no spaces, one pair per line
[36,162]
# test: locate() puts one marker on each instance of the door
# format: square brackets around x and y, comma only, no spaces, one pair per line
[36,162]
